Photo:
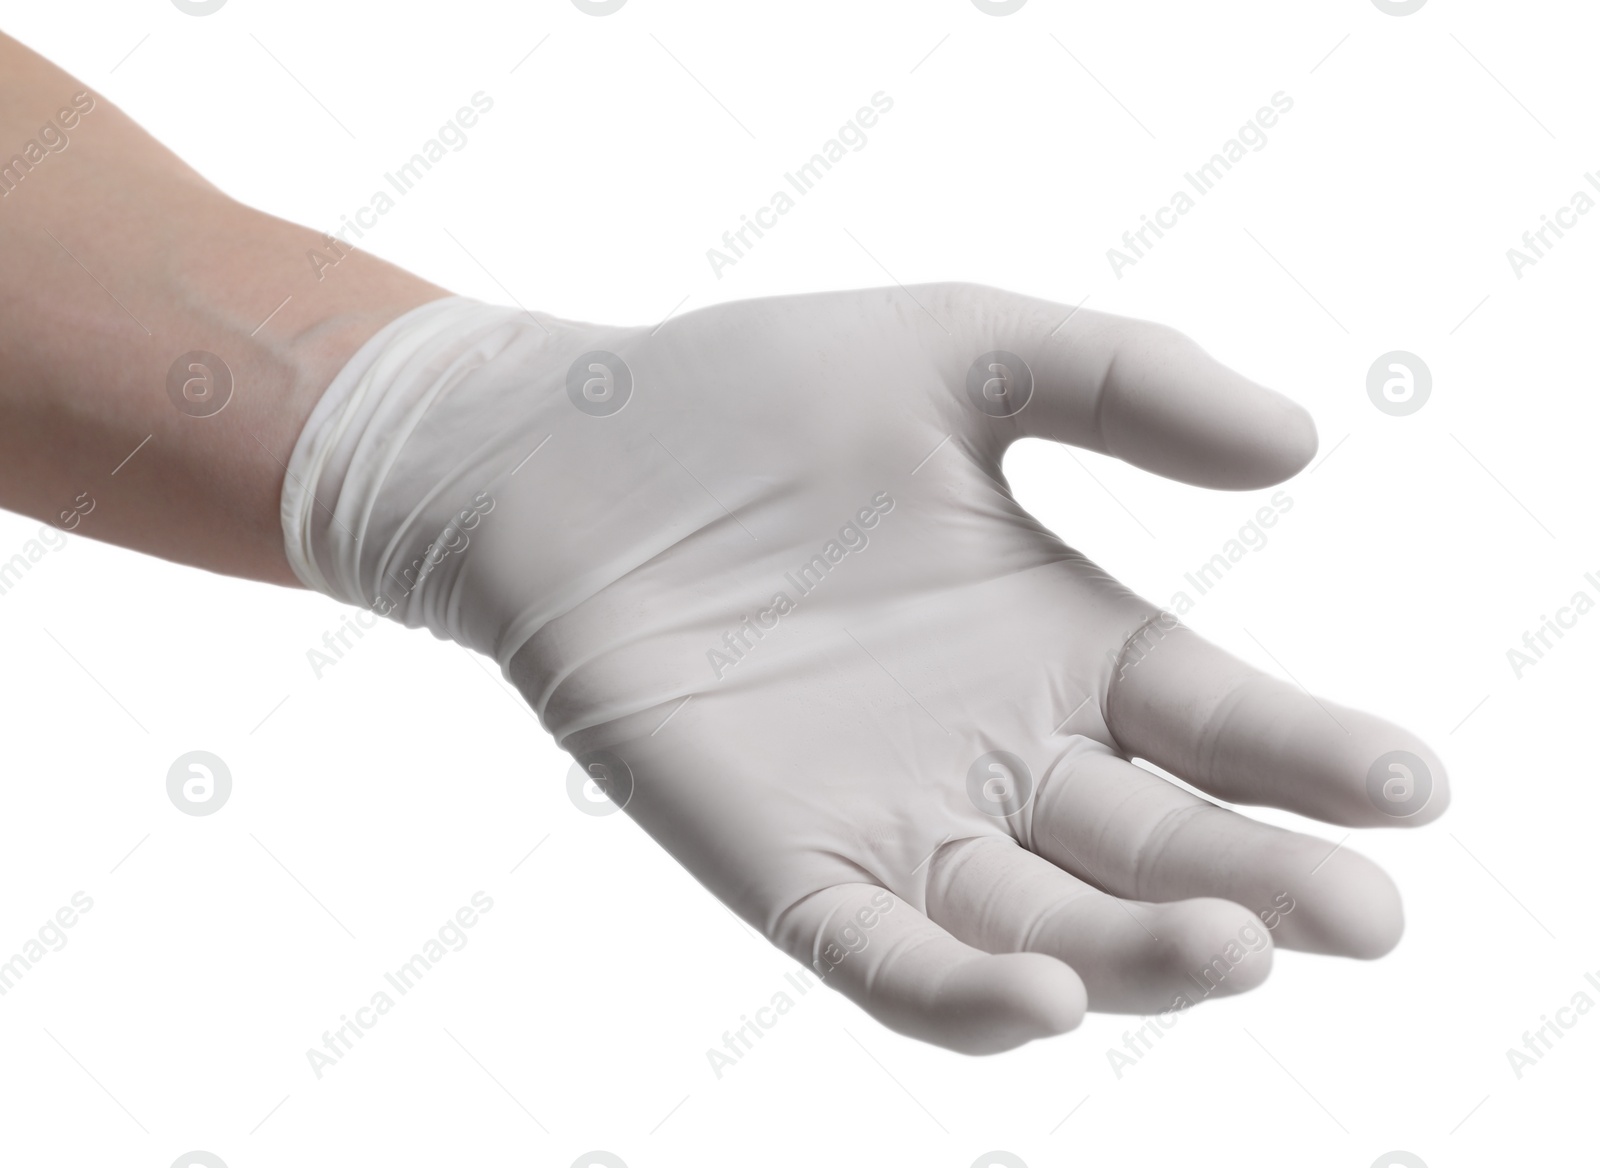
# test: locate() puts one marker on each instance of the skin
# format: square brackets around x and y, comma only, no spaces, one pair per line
[119,259]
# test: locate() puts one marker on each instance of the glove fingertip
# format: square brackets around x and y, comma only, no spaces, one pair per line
[1012,999]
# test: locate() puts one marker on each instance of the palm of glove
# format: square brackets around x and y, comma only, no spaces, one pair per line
[784,609]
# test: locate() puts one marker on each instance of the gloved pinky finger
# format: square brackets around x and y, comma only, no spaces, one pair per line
[917,979]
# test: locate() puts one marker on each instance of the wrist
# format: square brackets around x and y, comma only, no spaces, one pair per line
[414,444]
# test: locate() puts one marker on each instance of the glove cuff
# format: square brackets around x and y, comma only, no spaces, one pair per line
[342,456]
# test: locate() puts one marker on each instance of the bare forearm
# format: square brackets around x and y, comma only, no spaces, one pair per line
[120,261]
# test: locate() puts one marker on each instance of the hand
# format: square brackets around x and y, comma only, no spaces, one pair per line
[759,570]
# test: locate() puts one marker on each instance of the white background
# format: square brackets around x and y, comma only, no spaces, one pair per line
[370,804]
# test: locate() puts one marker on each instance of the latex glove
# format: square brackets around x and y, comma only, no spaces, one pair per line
[759,570]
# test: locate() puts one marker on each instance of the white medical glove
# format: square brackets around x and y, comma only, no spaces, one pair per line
[758,569]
